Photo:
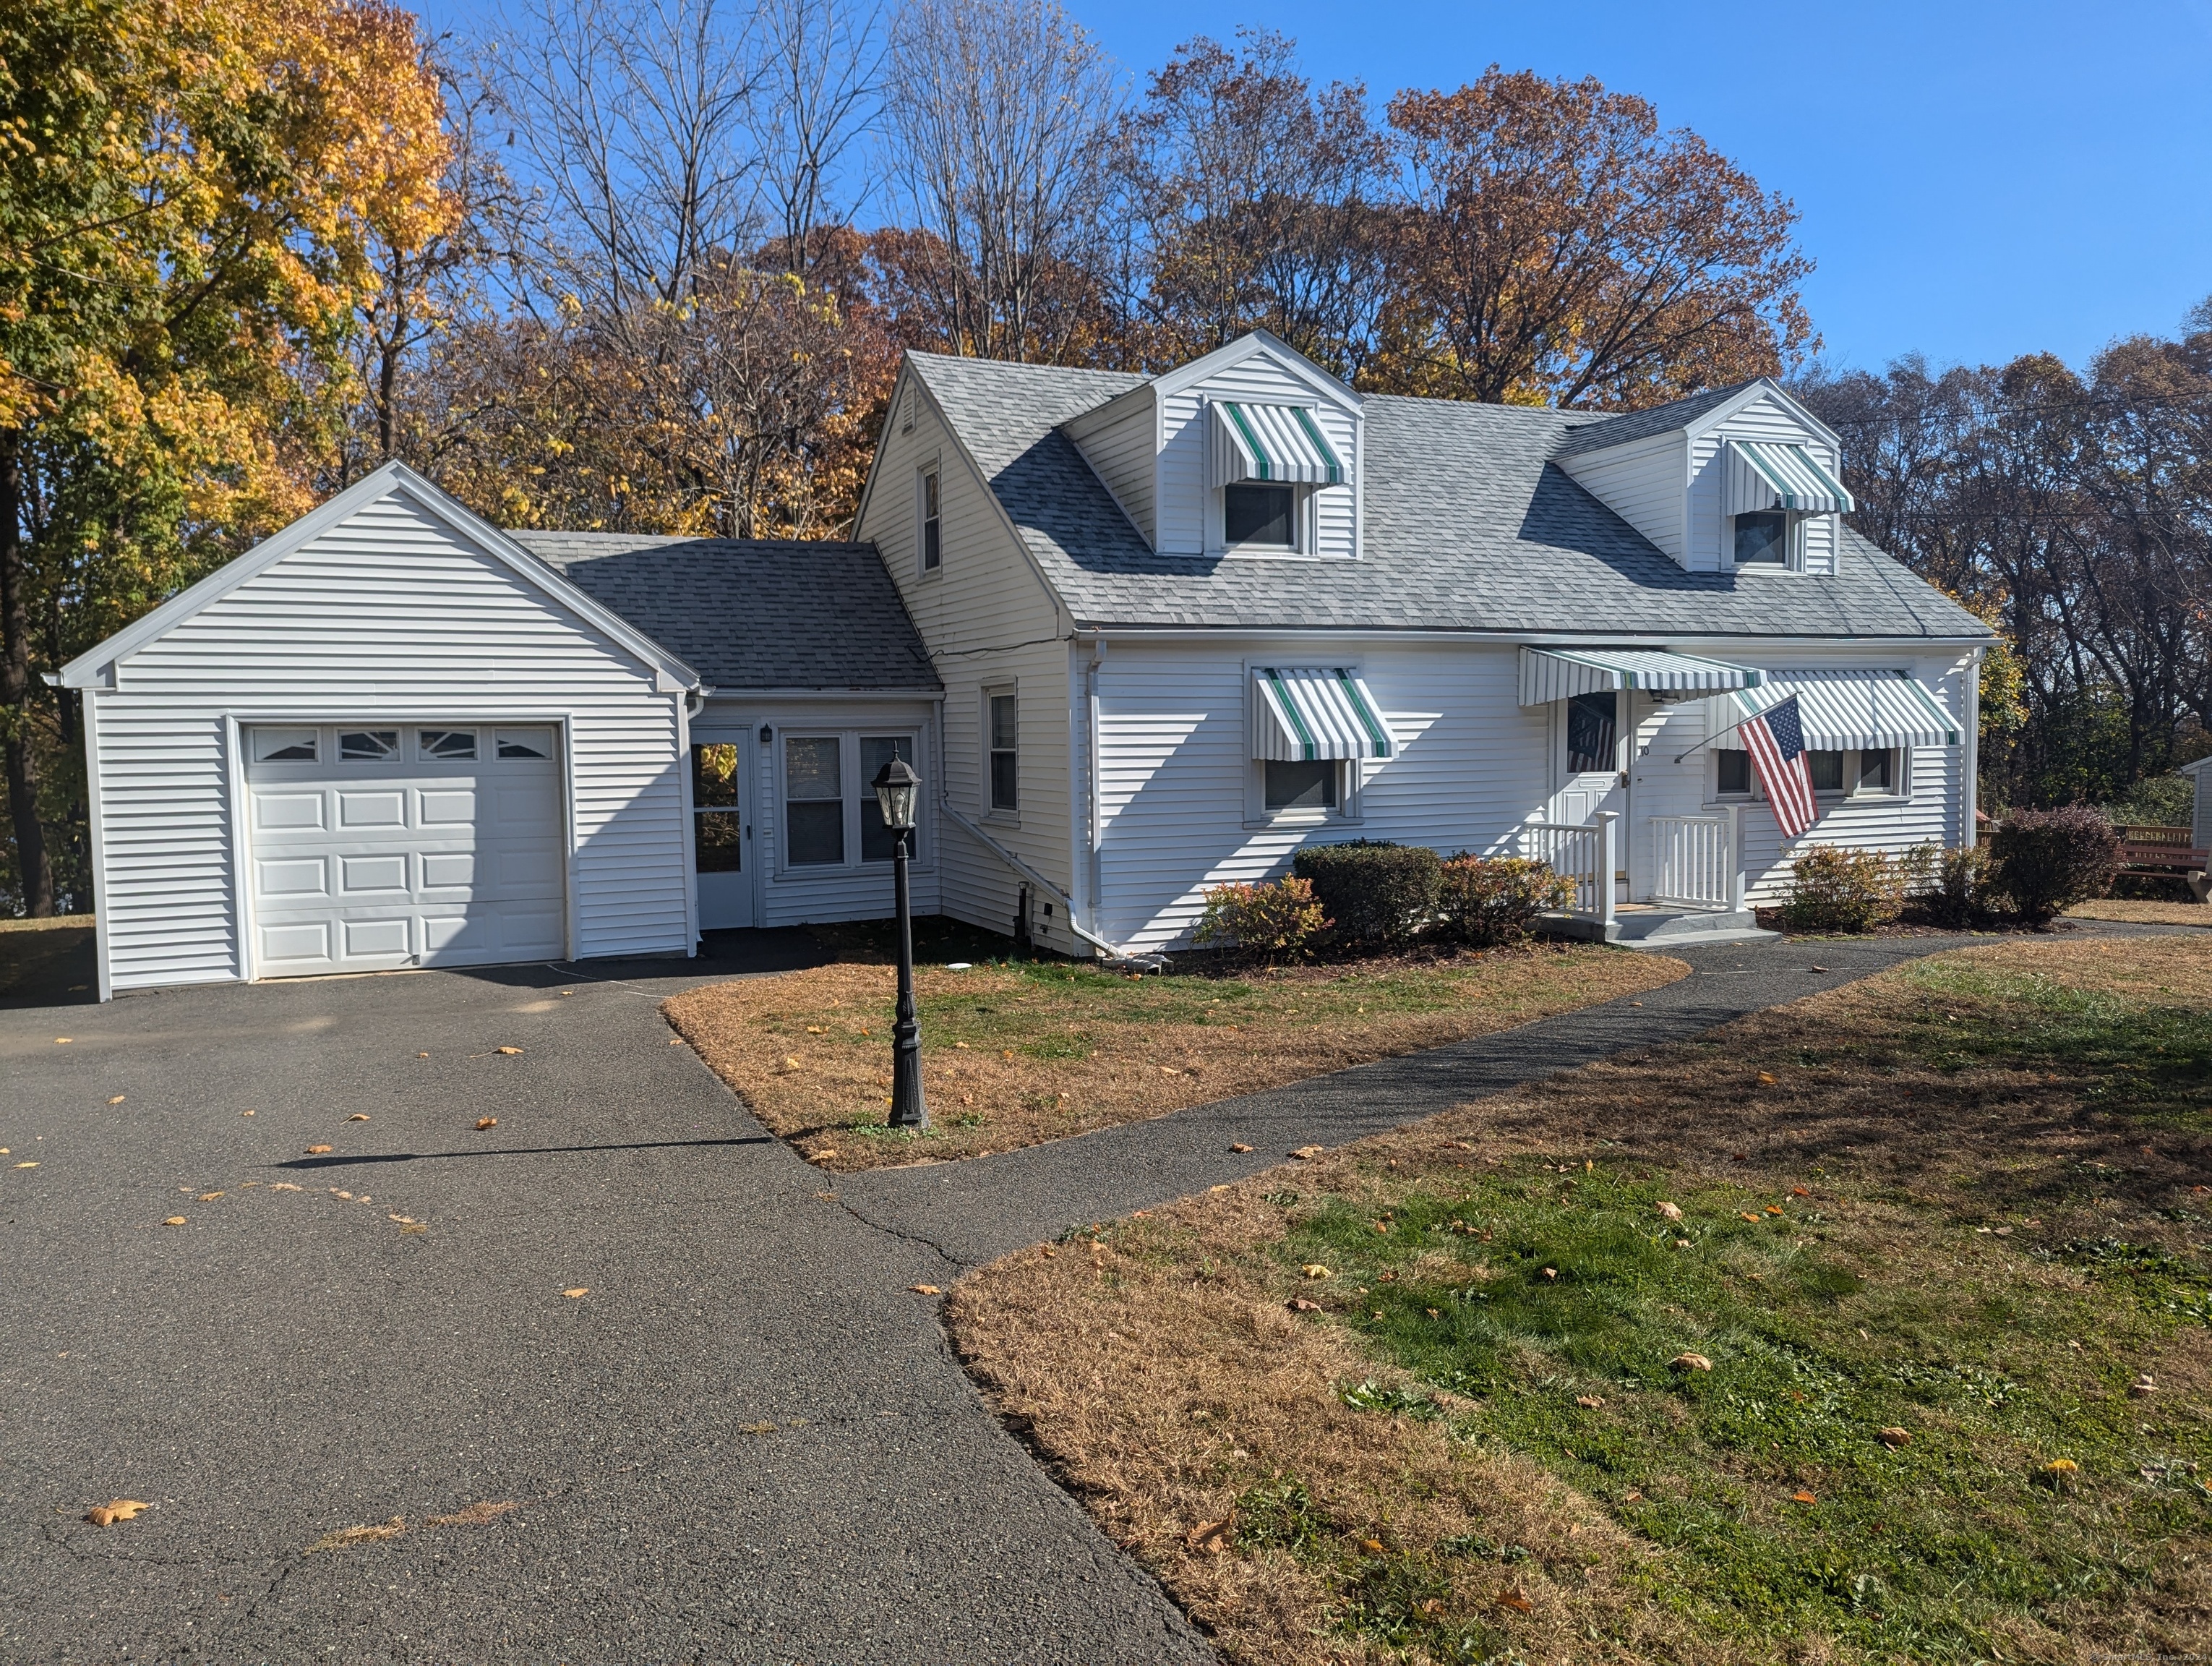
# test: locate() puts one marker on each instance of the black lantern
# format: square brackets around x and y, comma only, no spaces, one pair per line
[897,788]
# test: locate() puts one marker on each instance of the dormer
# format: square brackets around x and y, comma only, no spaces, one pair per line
[1252,451]
[1745,480]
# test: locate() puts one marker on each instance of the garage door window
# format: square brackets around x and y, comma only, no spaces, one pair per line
[368,745]
[525,743]
[283,745]
[814,800]
[452,745]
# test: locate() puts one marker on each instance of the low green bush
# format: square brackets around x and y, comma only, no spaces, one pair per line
[1835,890]
[1376,894]
[1484,901]
[1270,922]
[2046,861]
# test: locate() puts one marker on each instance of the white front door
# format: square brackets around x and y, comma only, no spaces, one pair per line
[386,844]
[723,845]
[1591,747]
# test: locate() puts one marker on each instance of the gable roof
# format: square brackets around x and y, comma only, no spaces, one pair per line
[391,479]
[753,614]
[1470,526]
[1602,433]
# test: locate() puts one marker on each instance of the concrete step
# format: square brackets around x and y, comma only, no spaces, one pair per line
[1648,928]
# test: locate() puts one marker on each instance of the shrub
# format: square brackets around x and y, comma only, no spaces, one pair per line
[1270,922]
[2159,801]
[1375,894]
[1485,901]
[2049,860]
[1835,890]
[1949,887]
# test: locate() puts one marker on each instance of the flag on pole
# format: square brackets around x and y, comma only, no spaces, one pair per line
[1776,740]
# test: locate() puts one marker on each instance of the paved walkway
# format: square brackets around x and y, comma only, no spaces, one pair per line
[747,1442]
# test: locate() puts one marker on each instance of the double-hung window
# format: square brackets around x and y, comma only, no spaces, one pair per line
[932,538]
[830,816]
[1002,736]
[877,842]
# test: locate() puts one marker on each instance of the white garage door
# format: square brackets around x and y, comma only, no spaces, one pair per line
[404,845]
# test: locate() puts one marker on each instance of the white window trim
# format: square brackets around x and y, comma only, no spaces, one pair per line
[854,789]
[1305,527]
[1795,551]
[1351,773]
[1901,792]
[928,466]
[998,817]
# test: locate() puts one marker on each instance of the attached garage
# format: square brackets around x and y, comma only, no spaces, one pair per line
[389,736]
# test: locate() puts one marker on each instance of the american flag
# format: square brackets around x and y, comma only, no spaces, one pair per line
[1776,740]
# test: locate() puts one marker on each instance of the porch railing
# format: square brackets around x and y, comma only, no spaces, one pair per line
[1588,854]
[1698,861]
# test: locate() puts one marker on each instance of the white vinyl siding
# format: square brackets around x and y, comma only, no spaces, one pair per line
[390,617]
[1643,483]
[1121,441]
[1189,511]
[1764,418]
[2203,805]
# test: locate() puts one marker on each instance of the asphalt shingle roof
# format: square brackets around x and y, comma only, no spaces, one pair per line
[1469,526]
[751,613]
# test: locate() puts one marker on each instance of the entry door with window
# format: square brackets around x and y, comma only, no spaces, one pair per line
[1592,762]
[722,829]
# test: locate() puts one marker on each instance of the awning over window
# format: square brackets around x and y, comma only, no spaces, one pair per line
[1270,443]
[1762,474]
[1842,710]
[1556,673]
[1307,712]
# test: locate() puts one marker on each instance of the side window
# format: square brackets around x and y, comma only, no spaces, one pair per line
[1827,769]
[931,541]
[877,842]
[1002,723]
[717,808]
[1733,777]
[1878,773]
[813,800]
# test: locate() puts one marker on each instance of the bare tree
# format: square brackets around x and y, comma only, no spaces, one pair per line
[814,97]
[999,114]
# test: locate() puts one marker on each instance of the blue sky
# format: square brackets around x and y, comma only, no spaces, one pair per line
[1976,181]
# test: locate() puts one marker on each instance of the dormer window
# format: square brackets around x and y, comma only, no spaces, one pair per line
[1268,462]
[1762,538]
[1769,489]
[1259,514]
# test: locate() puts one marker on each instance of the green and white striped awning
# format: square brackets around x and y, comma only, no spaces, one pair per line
[1557,673]
[1270,443]
[1763,474]
[1304,713]
[1842,710]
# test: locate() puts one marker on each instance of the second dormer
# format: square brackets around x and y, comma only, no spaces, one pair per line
[1252,451]
[1744,480]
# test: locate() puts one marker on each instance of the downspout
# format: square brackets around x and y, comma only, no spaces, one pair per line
[1970,783]
[1037,880]
[1094,864]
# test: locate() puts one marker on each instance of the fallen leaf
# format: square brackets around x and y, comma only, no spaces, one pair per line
[1314,1269]
[358,1116]
[507,1052]
[1765,1079]
[1799,1191]
[1691,1362]
[282,1186]
[1803,1498]
[317,1151]
[356,1535]
[1590,1401]
[245,1113]
[924,1289]
[827,1150]
[483,1122]
[2143,1386]
[580,1290]
[209,1197]
[1307,1154]
[114,1510]
[1774,1209]
[2061,1467]
[1209,1538]
[1632,1496]
[475,1515]
[116,1100]
[1372,1547]
[26,1165]
[1748,1215]
[1300,1305]
[174,1220]
[1217,1188]
[413,1226]
[1514,1599]
[1240,1148]
[1550,1271]
[1893,1436]
[422,1056]
[60,1040]
[674,1041]
[1671,1211]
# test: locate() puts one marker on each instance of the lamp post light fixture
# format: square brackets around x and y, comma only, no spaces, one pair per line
[897,788]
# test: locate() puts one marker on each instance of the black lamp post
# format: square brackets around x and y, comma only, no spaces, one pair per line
[897,788]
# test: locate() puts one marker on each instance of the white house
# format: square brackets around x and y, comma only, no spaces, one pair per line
[1142,635]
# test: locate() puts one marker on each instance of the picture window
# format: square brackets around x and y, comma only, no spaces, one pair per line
[1827,771]
[1877,772]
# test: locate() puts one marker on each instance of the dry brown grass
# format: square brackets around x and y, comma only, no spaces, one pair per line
[1014,1056]
[2143,913]
[1157,1369]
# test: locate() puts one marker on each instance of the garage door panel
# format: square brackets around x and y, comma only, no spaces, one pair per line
[359,865]
[360,809]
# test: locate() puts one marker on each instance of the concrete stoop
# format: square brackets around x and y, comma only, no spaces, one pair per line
[1642,925]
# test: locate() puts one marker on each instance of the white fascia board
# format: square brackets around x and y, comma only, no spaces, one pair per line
[1737,641]
[1261,343]
[87,668]
[1764,386]
[875,460]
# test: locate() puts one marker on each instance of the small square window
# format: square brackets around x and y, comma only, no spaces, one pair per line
[1827,770]
[1735,778]
[284,745]
[368,745]
[520,743]
[1877,772]
[1256,513]
[1301,786]
[1763,539]
[449,745]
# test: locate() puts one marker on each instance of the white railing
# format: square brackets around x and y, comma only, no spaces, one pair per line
[1698,861]
[1586,854]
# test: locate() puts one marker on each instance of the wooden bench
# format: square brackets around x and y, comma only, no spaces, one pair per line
[2162,850]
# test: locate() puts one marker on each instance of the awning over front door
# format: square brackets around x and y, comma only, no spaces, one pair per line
[1559,673]
[1842,710]
[1272,443]
[1301,714]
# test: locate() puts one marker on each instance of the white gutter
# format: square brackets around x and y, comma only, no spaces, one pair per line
[1036,879]
[1507,638]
